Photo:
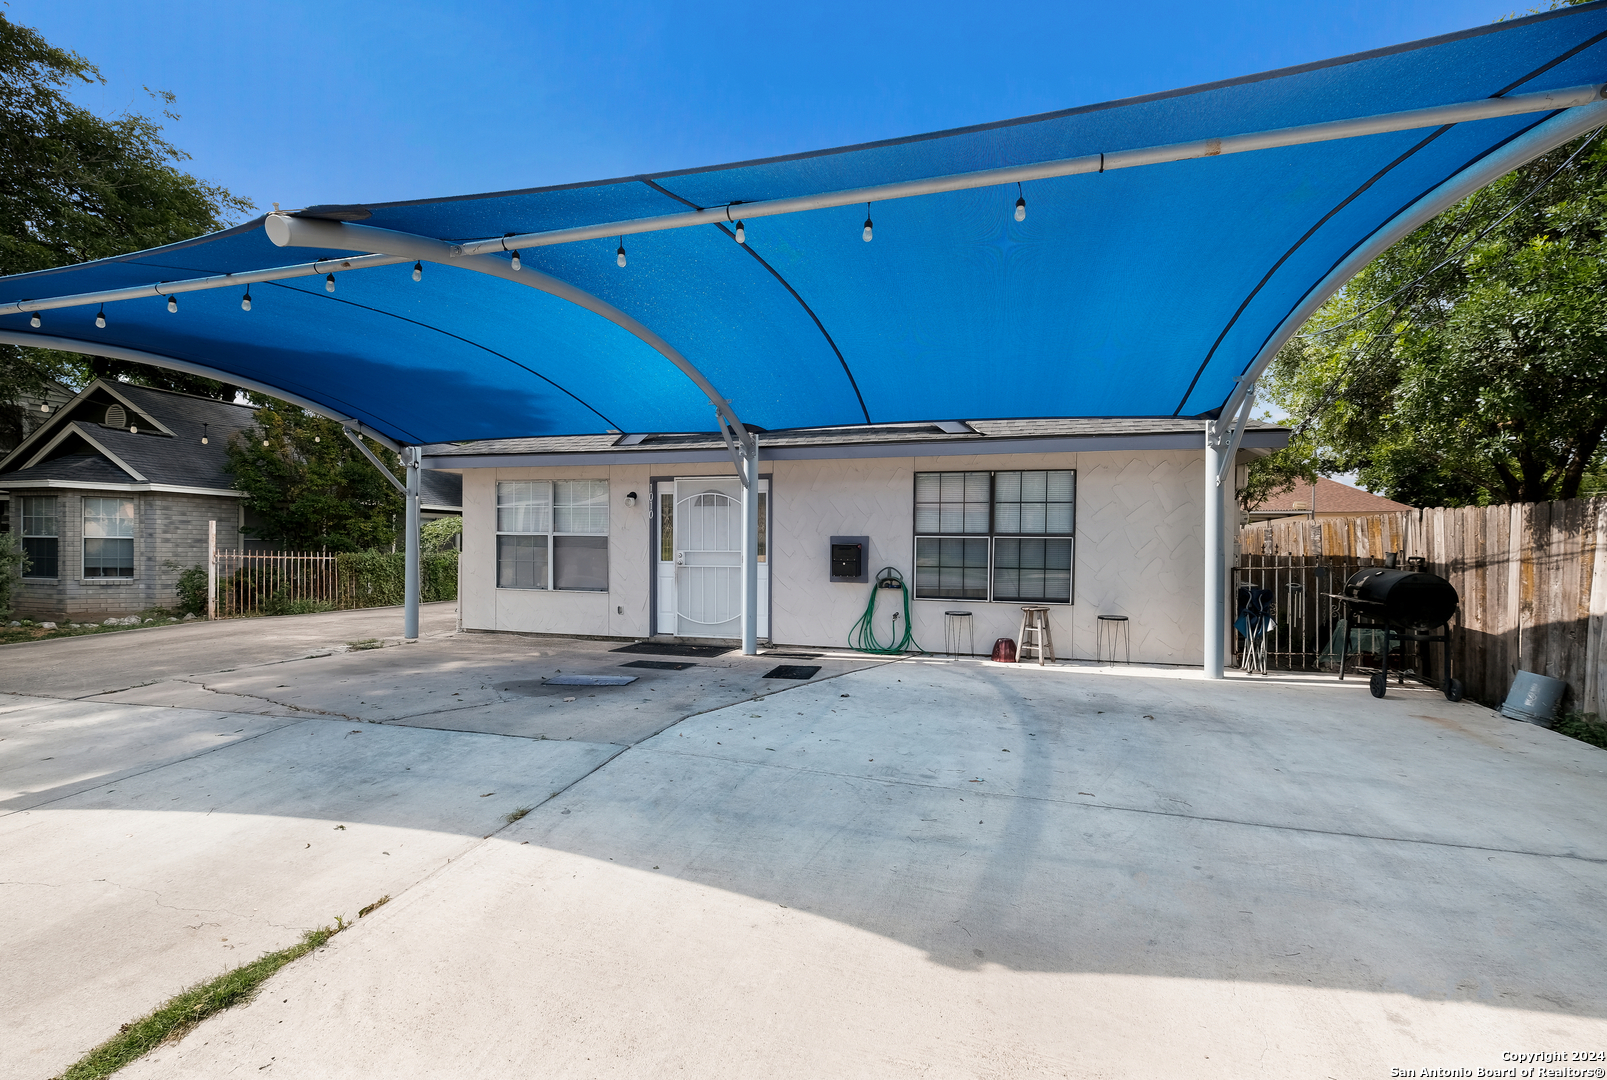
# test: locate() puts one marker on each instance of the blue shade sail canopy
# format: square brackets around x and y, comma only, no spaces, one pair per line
[1132,292]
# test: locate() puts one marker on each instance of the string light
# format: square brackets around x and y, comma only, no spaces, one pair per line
[1021,205]
[418,271]
[516,264]
[742,234]
[619,256]
[35,321]
[172,303]
[866,233]
[203,434]
[329,283]
[245,301]
[100,317]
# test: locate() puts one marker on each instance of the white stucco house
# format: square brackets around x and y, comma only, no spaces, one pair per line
[639,536]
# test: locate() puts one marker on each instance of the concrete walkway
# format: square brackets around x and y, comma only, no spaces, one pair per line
[921,868]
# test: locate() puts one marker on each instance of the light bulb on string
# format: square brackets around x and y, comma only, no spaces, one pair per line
[329,283]
[866,233]
[245,301]
[203,434]
[1021,205]
[100,318]
[418,271]
[35,321]
[619,256]
[516,264]
[741,234]
[172,303]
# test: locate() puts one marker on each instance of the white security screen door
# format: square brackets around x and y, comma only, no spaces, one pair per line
[700,557]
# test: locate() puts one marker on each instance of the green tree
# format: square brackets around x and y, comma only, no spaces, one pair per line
[1468,364]
[308,487]
[75,186]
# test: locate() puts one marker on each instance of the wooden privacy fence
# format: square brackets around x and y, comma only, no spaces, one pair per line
[1532,579]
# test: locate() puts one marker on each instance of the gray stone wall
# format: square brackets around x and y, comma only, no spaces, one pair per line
[168,528]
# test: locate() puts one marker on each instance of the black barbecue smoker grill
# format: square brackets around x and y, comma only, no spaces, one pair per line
[1400,605]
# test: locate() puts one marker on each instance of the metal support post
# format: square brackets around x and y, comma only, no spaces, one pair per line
[744,448]
[1215,586]
[211,569]
[410,588]
[750,556]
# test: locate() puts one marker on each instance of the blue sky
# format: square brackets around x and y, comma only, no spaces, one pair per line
[339,101]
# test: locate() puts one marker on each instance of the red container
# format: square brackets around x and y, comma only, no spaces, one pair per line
[1004,651]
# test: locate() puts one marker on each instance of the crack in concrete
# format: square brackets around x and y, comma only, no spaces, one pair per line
[271,701]
[157,899]
[893,781]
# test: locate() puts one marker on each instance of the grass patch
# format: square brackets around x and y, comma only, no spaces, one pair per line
[515,815]
[171,1021]
[381,902]
[365,643]
[1586,727]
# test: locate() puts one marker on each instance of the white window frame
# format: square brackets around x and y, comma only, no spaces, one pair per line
[132,518]
[23,520]
[964,526]
[559,515]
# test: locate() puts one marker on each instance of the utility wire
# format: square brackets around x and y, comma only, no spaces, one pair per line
[1466,247]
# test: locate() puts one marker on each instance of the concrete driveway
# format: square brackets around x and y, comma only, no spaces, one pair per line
[920,868]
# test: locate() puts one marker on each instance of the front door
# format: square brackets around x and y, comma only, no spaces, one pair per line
[699,552]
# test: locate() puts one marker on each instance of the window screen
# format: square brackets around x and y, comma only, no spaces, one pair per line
[1038,503]
[108,538]
[40,535]
[1005,536]
[552,534]
[951,503]
[1032,570]
[951,568]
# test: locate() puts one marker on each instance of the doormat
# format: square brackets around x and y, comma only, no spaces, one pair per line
[660,665]
[590,680]
[793,671]
[795,655]
[668,648]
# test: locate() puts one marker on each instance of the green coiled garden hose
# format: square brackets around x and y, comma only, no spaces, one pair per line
[862,637]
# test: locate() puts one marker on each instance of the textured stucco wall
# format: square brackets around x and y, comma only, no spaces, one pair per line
[168,527]
[1138,552]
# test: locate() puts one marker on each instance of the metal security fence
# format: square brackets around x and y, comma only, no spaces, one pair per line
[1303,614]
[274,583]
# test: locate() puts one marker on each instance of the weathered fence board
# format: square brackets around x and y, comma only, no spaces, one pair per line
[1532,579]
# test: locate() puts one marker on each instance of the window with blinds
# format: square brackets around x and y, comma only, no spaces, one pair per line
[1007,536]
[552,534]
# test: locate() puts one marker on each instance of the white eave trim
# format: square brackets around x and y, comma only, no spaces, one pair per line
[83,485]
[75,427]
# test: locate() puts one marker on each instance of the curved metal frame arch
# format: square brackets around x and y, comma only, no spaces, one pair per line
[139,356]
[286,230]
[1221,435]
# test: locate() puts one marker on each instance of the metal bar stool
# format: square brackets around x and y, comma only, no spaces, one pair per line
[1115,628]
[1035,634]
[953,622]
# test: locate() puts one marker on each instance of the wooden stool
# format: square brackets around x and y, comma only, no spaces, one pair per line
[1035,622]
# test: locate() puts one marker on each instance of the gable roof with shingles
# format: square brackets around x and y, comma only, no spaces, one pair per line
[171,455]
[1331,497]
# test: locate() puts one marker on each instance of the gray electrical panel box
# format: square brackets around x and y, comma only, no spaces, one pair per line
[850,557]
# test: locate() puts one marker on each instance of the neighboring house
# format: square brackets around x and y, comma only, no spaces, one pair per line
[118,486]
[21,418]
[1324,499]
[638,535]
